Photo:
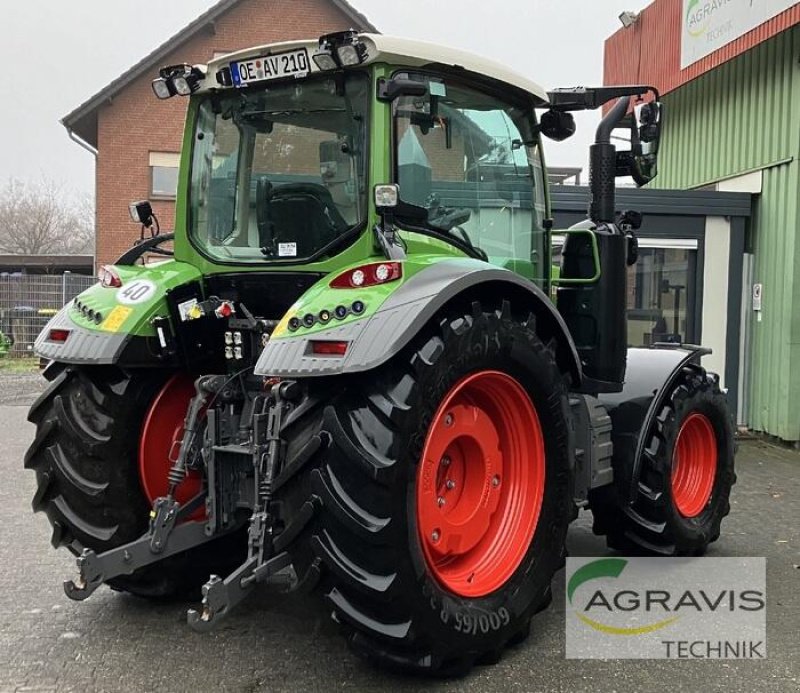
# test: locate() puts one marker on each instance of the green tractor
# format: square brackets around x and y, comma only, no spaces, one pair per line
[352,374]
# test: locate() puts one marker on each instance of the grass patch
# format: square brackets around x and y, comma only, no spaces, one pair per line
[17,366]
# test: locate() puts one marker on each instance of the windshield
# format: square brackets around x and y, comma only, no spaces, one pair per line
[280,173]
[470,159]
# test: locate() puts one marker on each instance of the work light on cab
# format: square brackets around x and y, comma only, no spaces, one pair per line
[181,79]
[324,59]
[368,275]
[162,88]
[386,196]
[341,49]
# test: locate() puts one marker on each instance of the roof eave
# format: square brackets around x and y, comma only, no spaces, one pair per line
[83,120]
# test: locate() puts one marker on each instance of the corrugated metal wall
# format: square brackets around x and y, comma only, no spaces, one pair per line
[649,52]
[745,115]
[775,357]
[741,116]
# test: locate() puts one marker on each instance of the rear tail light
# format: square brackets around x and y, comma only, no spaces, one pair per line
[109,278]
[328,348]
[57,335]
[368,275]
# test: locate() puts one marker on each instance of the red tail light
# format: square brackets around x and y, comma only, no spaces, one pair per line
[57,335]
[368,275]
[109,278]
[328,348]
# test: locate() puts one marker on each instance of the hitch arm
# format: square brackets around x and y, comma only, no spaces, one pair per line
[94,569]
[220,596]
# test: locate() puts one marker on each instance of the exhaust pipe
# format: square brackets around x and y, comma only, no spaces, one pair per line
[603,164]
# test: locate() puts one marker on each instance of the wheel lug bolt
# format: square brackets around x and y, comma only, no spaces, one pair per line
[448,420]
[435,535]
[496,481]
[450,484]
[445,461]
[441,501]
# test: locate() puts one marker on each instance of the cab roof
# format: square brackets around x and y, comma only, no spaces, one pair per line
[395,51]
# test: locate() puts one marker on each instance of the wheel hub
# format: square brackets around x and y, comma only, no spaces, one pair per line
[694,465]
[159,441]
[480,483]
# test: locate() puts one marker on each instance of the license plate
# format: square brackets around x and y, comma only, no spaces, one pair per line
[289,64]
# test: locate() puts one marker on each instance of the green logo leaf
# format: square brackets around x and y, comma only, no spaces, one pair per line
[603,567]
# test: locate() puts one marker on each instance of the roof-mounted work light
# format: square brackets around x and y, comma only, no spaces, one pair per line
[340,49]
[181,79]
[324,59]
[162,88]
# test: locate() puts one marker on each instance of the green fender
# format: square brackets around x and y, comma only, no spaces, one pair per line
[392,319]
[105,321]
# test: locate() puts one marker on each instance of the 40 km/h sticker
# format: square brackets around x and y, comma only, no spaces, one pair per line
[137,291]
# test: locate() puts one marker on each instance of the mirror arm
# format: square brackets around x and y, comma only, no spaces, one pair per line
[611,120]
[583,98]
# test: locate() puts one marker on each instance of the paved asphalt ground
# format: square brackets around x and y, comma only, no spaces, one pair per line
[119,643]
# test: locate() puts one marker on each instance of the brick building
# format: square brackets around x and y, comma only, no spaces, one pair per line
[136,139]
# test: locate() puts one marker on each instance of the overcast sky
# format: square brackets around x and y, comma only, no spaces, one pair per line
[57,54]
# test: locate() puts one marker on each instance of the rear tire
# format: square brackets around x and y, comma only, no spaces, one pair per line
[396,607]
[85,455]
[686,476]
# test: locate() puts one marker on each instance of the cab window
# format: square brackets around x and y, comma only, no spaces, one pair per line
[471,160]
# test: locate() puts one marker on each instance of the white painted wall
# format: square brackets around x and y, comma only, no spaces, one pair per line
[715,293]
[748,182]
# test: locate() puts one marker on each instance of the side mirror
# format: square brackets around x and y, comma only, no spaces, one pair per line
[390,89]
[641,161]
[557,125]
[645,139]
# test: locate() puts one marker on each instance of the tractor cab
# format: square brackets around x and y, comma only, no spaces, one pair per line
[286,143]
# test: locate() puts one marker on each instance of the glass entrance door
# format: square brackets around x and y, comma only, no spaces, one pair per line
[662,290]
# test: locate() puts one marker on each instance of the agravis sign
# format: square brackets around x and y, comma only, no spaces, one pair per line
[711,24]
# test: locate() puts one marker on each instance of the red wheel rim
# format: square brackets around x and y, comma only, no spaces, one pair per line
[480,484]
[163,427]
[694,465]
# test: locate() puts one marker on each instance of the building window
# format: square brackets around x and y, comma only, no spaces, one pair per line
[164,175]
[662,292]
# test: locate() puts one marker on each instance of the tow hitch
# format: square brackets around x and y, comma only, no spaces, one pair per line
[238,475]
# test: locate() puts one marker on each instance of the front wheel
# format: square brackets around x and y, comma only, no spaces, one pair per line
[445,494]
[683,491]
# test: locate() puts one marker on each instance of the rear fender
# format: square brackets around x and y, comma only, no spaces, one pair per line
[115,325]
[649,378]
[381,334]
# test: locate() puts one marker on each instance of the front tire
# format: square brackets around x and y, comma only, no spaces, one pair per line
[687,472]
[401,600]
